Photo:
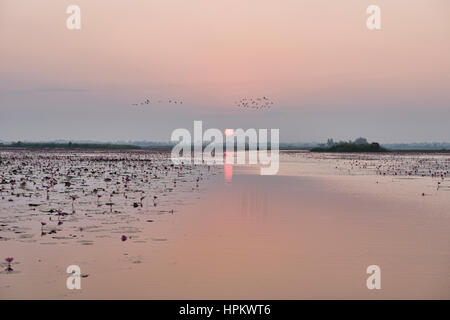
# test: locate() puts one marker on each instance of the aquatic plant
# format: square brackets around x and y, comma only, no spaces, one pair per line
[60,213]
[9,260]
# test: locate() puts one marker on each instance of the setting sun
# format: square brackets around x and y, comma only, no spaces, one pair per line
[229,132]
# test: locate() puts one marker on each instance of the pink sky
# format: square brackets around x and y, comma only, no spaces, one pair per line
[308,56]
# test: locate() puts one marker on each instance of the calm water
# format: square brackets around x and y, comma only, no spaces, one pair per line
[309,232]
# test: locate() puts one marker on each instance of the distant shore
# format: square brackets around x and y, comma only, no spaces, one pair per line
[116,147]
[374,147]
[351,147]
[45,145]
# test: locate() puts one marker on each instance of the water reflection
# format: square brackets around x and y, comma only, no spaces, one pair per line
[228,166]
[254,203]
[228,172]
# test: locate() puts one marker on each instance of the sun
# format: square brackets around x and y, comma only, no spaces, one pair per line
[229,132]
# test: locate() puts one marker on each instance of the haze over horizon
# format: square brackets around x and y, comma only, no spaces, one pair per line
[329,76]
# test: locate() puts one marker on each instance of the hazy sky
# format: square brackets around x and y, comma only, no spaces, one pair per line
[328,75]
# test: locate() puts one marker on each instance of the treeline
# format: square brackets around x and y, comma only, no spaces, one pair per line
[70,145]
[362,145]
[359,145]
[351,147]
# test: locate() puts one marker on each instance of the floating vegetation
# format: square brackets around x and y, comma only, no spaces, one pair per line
[59,194]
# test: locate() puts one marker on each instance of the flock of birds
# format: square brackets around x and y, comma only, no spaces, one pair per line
[258,103]
[147,101]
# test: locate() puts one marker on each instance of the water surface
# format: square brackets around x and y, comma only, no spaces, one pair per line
[309,232]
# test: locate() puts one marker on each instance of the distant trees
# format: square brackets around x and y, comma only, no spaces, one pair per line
[330,142]
[359,145]
[70,145]
[361,140]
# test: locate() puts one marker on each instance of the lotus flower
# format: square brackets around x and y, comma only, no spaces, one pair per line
[9,260]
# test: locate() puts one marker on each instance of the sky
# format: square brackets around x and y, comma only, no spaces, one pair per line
[327,73]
